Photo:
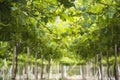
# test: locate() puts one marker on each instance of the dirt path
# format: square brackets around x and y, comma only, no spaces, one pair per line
[74,78]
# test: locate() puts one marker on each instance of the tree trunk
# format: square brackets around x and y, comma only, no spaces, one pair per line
[116,73]
[108,66]
[36,67]
[48,68]
[95,66]
[27,63]
[15,62]
[62,71]
[84,72]
[42,66]
[101,66]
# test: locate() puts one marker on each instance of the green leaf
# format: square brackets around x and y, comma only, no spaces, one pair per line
[111,12]
[25,13]
[93,17]
[86,16]
[14,8]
